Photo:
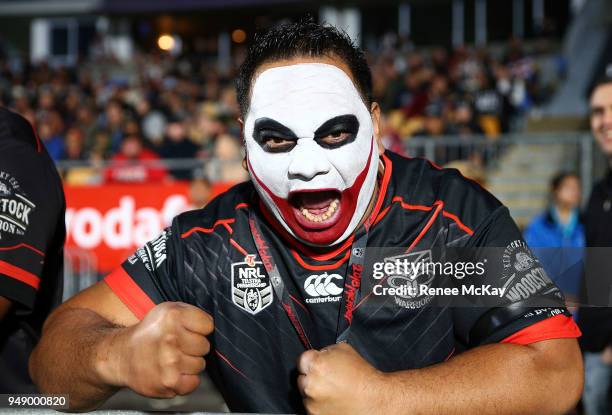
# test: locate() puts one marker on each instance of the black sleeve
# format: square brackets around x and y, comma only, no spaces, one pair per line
[529,296]
[151,275]
[31,215]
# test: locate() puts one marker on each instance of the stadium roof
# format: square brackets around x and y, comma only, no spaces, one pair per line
[54,7]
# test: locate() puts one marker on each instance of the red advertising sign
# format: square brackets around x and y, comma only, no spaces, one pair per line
[111,221]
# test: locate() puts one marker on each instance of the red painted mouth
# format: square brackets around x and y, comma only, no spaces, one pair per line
[316,209]
[317,202]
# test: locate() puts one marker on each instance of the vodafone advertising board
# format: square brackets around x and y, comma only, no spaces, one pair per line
[110,221]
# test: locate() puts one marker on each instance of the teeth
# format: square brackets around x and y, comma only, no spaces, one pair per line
[331,209]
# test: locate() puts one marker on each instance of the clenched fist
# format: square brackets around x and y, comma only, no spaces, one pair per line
[337,380]
[163,355]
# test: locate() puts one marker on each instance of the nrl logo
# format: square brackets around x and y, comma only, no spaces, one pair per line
[251,289]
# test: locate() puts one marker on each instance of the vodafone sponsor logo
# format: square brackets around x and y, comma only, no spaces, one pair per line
[123,226]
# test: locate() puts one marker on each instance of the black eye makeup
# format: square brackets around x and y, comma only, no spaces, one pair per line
[337,131]
[273,136]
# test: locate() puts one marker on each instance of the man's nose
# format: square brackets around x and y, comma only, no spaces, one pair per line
[308,160]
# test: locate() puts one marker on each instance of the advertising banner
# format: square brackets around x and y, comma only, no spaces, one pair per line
[110,221]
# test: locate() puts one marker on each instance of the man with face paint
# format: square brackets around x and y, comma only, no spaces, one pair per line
[263,286]
[311,150]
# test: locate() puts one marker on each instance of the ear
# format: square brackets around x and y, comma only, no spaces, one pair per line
[241,122]
[375,113]
[244,157]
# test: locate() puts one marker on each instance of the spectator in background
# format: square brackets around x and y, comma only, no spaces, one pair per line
[434,123]
[100,145]
[73,149]
[50,133]
[177,145]
[113,121]
[200,191]
[152,122]
[135,164]
[596,322]
[464,122]
[559,226]
[389,136]
[488,103]
[86,122]
[228,160]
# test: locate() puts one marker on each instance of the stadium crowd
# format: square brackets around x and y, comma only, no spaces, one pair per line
[160,106]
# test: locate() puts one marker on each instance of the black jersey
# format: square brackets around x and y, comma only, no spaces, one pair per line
[32,233]
[218,258]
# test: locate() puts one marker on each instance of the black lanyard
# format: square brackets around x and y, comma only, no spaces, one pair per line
[350,294]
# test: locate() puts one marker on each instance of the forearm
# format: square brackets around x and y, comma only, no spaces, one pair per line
[75,357]
[494,379]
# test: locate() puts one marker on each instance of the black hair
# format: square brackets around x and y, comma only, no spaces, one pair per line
[302,38]
[604,80]
[559,178]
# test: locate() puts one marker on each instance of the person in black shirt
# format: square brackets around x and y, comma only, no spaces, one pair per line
[269,286]
[595,316]
[32,235]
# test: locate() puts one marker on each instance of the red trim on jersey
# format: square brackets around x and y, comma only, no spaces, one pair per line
[129,292]
[408,206]
[461,225]
[321,267]
[226,360]
[424,208]
[381,215]
[435,166]
[22,245]
[19,274]
[241,205]
[557,327]
[238,247]
[430,222]
[383,190]
[225,222]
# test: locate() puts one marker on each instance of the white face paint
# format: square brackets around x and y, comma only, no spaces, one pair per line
[320,184]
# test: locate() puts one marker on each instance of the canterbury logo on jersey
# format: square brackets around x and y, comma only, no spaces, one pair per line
[323,288]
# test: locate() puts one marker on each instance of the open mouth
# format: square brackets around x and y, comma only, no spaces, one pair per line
[316,209]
